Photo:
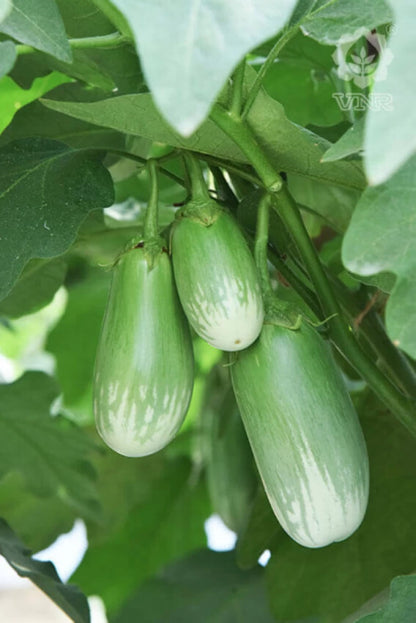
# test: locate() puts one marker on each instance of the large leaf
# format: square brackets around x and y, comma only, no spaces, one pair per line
[200,42]
[390,138]
[164,526]
[338,20]
[43,574]
[49,451]
[400,607]
[35,288]
[13,97]
[291,148]
[334,581]
[39,25]
[206,586]
[382,237]
[46,190]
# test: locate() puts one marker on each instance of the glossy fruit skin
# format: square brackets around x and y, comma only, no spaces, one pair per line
[217,281]
[143,377]
[230,471]
[304,433]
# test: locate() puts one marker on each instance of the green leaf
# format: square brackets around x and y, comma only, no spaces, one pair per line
[13,97]
[342,19]
[401,606]
[36,120]
[382,237]
[301,81]
[162,527]
[389,137]
[334,581]
[74,339]
[206,586]
[50,452]
[7,57]
[39,25]
[350,143]
[334,204]
[46,190]
[291,148]
[37,521]
[43,574]
[201,42]
[35,288]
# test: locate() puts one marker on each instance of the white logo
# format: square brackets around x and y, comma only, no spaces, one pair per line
[359,63]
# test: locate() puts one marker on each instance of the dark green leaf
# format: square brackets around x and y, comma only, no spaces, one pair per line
[46,190]
[350,143]
[35,288]
[39,25]
[206,586]
[382,237]
[164,526]
[49,451]
[334,581]
[7,57]
[43,574]
[338,19]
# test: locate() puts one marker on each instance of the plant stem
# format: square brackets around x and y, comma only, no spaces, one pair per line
[143,161]
[150,229]
[244,138]
[260,245]
[237,91]
[199,187]
[274,52]
[401,406]
[113,40]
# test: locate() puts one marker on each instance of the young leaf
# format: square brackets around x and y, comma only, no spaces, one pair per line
[7,57]
[39,25]
[341,19]
[206,586]
[46,190]
[382,237]
[13,97]
[67,597]
[390,138]
[50,452]
[201,42]
[35,288]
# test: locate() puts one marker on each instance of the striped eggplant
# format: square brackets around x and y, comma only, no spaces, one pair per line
[230,470]
[216,278]
[304,433]
[144,367]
